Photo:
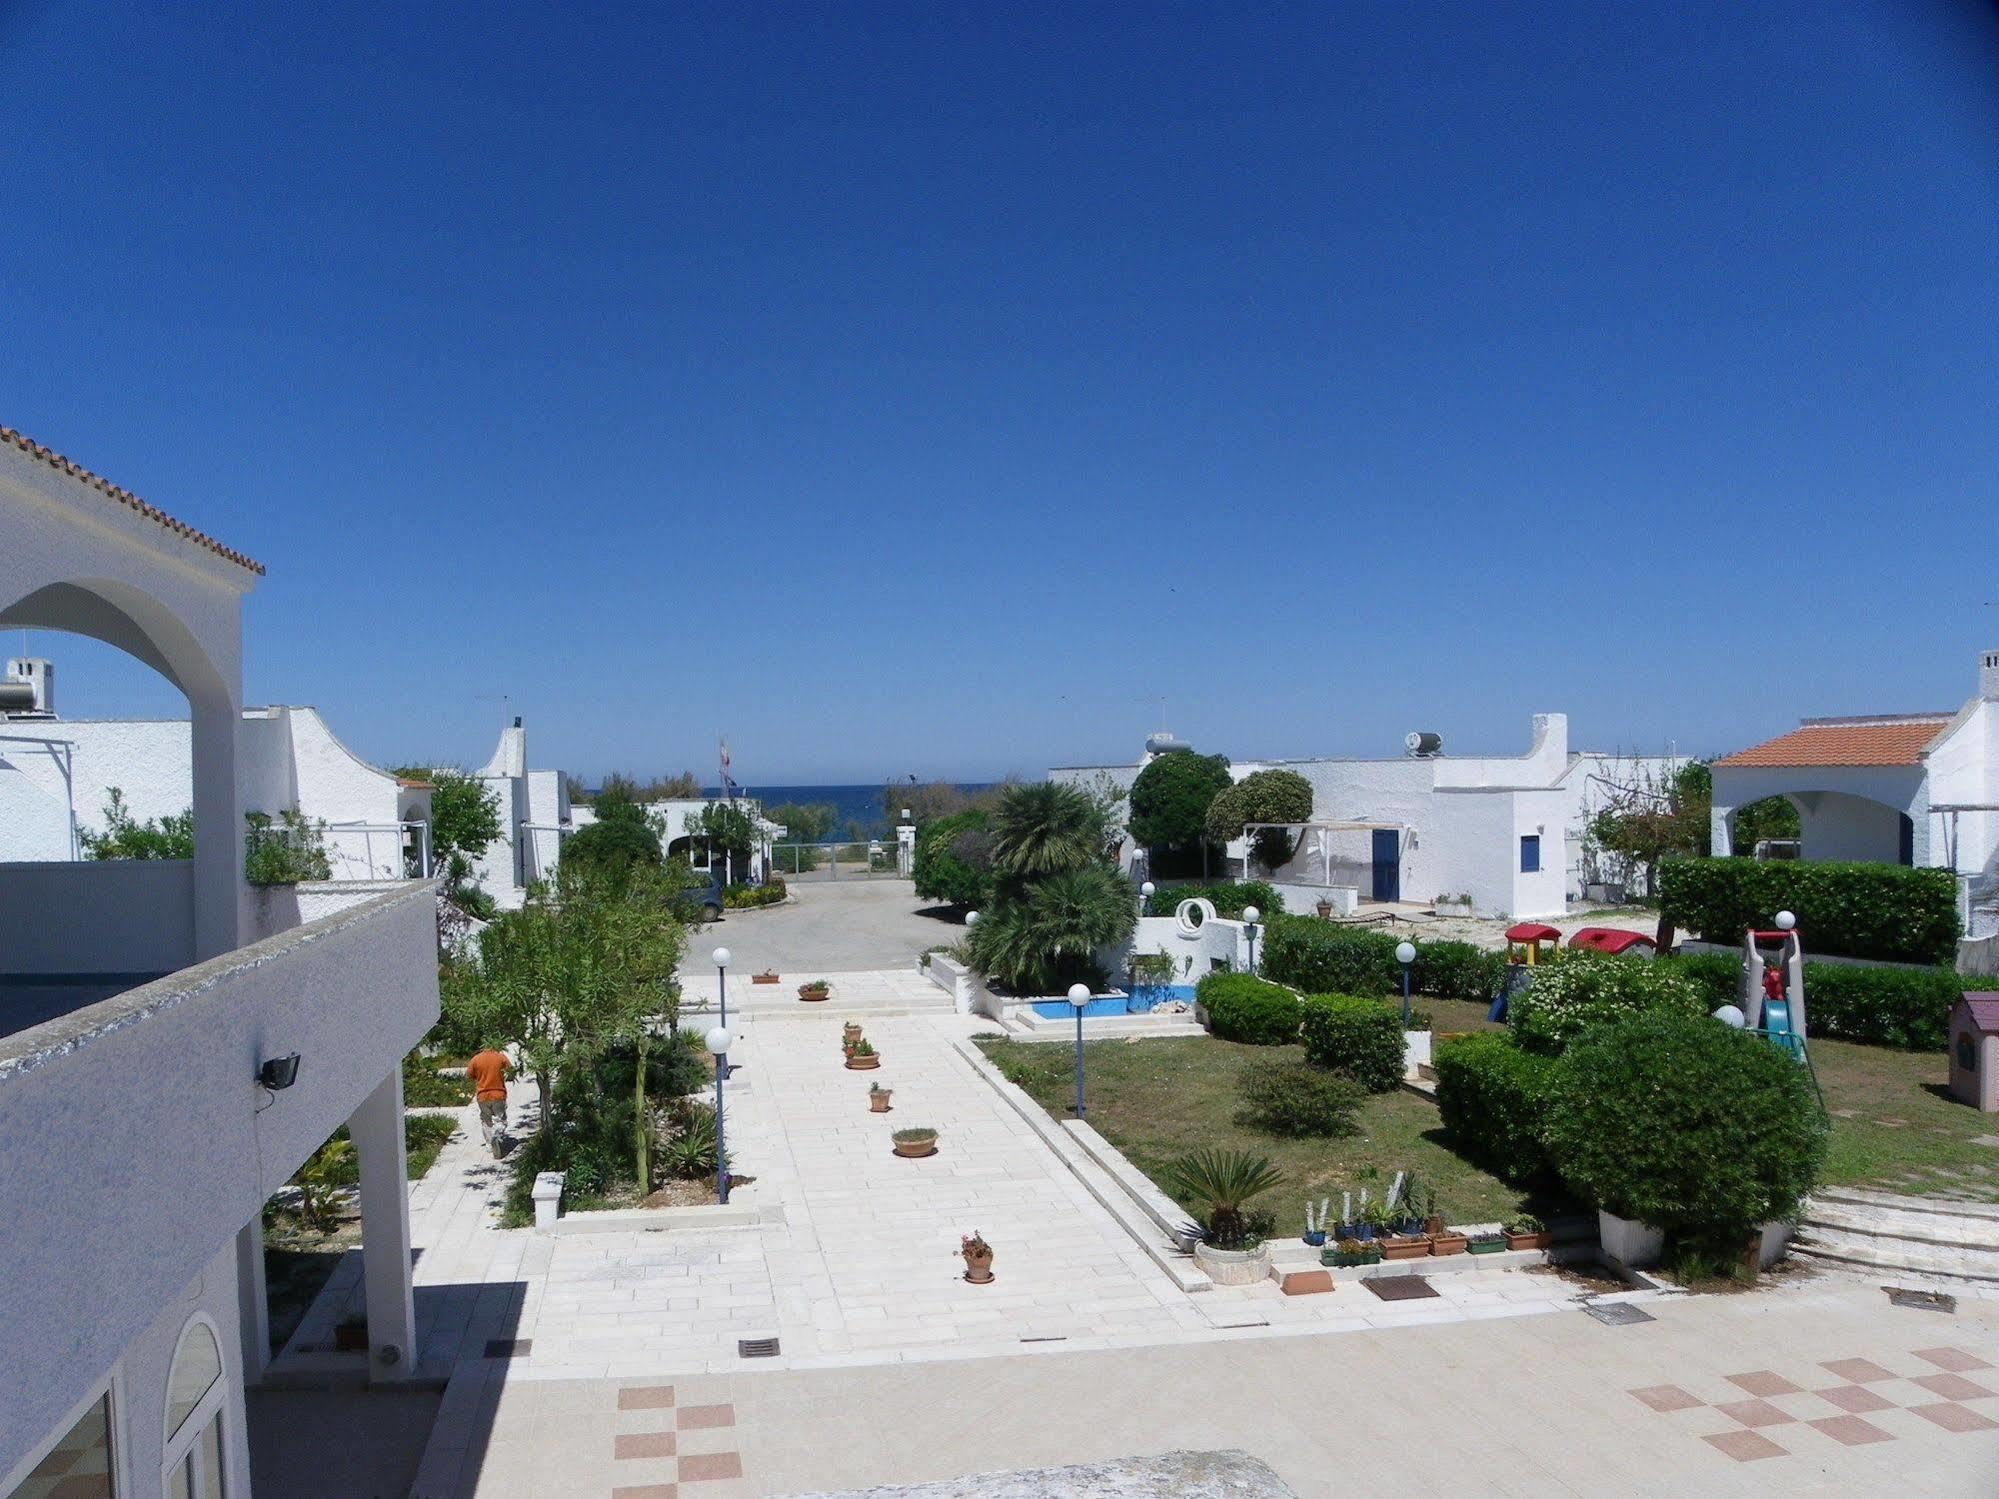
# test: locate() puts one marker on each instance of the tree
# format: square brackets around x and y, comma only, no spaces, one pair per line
[1044,828]
[611,844]
[1649,817]
[1057,900]
[928,801]
[1773,817]
[1267,796]
[1169,805]
[954,859]
[804,822]
[730,833]
[464,822]
[681,788]
[124,837]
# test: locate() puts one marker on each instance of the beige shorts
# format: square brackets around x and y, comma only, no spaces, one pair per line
[492,1114]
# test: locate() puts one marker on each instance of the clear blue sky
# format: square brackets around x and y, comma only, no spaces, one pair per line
[931,388]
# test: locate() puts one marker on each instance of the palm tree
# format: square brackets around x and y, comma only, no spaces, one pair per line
[1225,1180]
[1048,937]
[1043,828]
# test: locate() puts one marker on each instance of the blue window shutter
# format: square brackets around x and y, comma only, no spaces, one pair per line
[1530,853]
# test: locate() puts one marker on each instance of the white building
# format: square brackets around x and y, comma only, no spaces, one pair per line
[1505,831]
[670,819]
[1911,788]
[534,819]
[137,1147]
[57,774]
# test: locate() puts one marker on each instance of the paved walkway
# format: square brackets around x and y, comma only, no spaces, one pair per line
[842,926]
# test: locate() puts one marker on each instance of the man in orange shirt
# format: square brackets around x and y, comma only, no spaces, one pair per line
[487,1071]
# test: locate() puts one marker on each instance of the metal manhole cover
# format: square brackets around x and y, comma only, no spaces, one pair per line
[1399,1287]
[1922,1301]
[1617,1313]
[756,1347]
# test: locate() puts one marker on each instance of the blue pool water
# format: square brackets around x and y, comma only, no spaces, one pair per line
[1139,1001]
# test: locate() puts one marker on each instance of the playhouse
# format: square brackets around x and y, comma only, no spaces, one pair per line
[1974,1051]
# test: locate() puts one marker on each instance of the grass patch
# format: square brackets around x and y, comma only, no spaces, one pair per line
[424,1089]
[1158,1099]
[1896,1127]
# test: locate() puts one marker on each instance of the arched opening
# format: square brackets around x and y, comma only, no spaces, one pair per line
[196,1392]
[1828,825]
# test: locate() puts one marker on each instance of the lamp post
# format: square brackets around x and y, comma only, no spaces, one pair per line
[718,1047]
[721,956]
[971,918]
[1145,893]
[1250,917]
[1405,954]
[1079,998]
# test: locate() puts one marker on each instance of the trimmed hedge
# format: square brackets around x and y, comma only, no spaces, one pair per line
[1247,1009]
[1493,1098]
[1317,957]
[1359,1038]
[1907,1008]
[1857,910]
[1587,990]
[1229,898]
[1457,970]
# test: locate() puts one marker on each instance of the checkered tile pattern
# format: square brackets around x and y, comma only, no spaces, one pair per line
[1853,1402]
[667,1450]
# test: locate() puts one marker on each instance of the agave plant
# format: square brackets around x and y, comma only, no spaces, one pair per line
[691,1153]
[1225,1181]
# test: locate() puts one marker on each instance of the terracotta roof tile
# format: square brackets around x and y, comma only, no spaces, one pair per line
[125,497]
[1899,741]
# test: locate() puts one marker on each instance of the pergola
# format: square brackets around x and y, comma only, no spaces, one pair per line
[1324,840]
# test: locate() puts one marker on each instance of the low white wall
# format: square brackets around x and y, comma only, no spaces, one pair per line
[1303,900]
[108,916]
[271,909]
[1218,942]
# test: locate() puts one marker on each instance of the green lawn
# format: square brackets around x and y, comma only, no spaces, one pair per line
[1895,1125]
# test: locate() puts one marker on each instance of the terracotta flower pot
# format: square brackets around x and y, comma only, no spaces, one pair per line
[763,978]
[916,1150]
[813,993]
[978,1268]
[860,1062]
[1405,1247]
[878,1102]
[851,1031]
[1447,1243]
[1539,1239]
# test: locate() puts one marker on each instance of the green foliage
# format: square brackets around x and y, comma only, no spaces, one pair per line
[1358,1038]
[1169,800]
[424,1089]
[1773,817]
[954,859]
[464,821]
[1859,910]
[1252,1010]
[690,1151]
[928,801]
[1045,828]
[1687,1125]
[741,897]
[618,786]
[728,830]
[611,844]
[1317,957]
[1907,1008]
[804,822]
[124,837]
[1046,938]
[1457,970]
[1587,989]
[284,851]
[1229,898]
[1264,796]
[1493,1098]
[1225,1181]
[1288,1097]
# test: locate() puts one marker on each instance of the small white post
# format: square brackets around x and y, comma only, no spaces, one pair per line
[547,1198]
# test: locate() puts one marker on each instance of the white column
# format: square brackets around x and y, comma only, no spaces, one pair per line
[377,1128]
[1720,835]
[253,1302]
[218,828]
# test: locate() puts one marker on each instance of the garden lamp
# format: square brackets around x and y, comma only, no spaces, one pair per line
[722,956]
[1079,999]
[1786,921]
[1250,917]
[717,1042]
[1405,954]
[1145,893]
[971,918]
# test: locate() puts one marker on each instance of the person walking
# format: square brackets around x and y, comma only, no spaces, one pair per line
[487,1071]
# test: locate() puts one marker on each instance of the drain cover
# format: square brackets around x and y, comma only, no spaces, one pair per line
[509,1347]
[1399,1287]
[1617,1313]
[1923,1301]
[756,1348]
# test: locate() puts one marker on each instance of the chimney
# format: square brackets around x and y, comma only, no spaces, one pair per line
[1988,676]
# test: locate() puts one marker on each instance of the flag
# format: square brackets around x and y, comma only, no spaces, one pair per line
[727,784]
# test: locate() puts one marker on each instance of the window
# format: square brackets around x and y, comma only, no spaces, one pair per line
[79,1466]
[1530,853]
[195,1391]
[197,1365]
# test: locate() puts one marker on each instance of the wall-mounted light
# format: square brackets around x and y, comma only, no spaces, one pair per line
[279,1073]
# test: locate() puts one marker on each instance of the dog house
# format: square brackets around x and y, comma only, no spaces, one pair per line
[1974,1051]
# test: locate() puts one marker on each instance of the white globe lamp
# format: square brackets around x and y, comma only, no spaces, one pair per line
[1786,921]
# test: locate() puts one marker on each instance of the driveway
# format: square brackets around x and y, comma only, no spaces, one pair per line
[844,926]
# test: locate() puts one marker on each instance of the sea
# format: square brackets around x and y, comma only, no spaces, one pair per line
[861,804]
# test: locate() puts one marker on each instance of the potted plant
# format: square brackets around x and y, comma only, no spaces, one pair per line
[878,1097]
[915,1143]
[1404,1247]
[815,991]
[1325,908]
[1444,1241]
[1232,1248]
[1525,1231]
[1486,1243]
[978,1258]
[768,976]
[1315,1227]
[861,1057]
[851,1031]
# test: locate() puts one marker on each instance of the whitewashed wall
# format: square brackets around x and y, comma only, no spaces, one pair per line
[116,916]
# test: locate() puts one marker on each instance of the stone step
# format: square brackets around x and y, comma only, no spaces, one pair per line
[1904,1203]
[1894,1258]
[1924,1230]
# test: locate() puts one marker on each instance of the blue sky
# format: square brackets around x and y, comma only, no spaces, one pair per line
[936,389]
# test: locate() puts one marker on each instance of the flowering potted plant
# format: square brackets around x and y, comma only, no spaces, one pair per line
[1488,1243]
[817,990]
[978,1258]
[861,1057]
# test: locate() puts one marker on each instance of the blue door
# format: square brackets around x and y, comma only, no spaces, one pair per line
[1387,864]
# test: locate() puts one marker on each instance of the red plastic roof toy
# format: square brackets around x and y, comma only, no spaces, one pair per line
[1532,931]
[1611,939]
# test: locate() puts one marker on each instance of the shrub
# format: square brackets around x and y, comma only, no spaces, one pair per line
[1264,796]
[1907,1008]
[1457,970]
[1248,1009]
[1859,910]
[1229,898]
[953,861]
[1493,1098]
[1686,1125]
[1586,990]
[1047,938]
[1316,957]
[1223,1182]
[285,850]
[1296,1098]
[613,845]
[1170,798]
[1359,1038]
[741,897]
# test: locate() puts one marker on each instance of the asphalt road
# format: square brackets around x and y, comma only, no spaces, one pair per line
[844,926]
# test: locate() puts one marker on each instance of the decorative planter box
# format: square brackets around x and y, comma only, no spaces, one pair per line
[1448,1243]
[1539,1239]
[1628,1244]
[1453,908]
[1398,1248]
[1234,1267]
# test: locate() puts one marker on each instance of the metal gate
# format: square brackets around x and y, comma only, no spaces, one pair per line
[873,858]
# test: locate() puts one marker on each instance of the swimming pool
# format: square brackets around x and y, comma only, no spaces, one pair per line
[1139,1001]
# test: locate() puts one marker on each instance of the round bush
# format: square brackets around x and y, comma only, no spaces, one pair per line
[1686,1124]
[1248,1009]
[1296,1098]
[1262,796]
[1169,800]
[1358,1038]
[1587,990]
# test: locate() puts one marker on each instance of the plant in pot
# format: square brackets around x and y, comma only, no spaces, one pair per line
[817,990]
[1525,1231]
[768,976]
[861,1057]
[1325,908]
[1231,1248]
[915,1143]
[978,1258]
[1315,1226]
[878,1098]
[1486,1243]
[851,1031]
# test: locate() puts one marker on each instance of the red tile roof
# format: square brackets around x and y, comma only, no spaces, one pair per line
[1885,741]
[125,497]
